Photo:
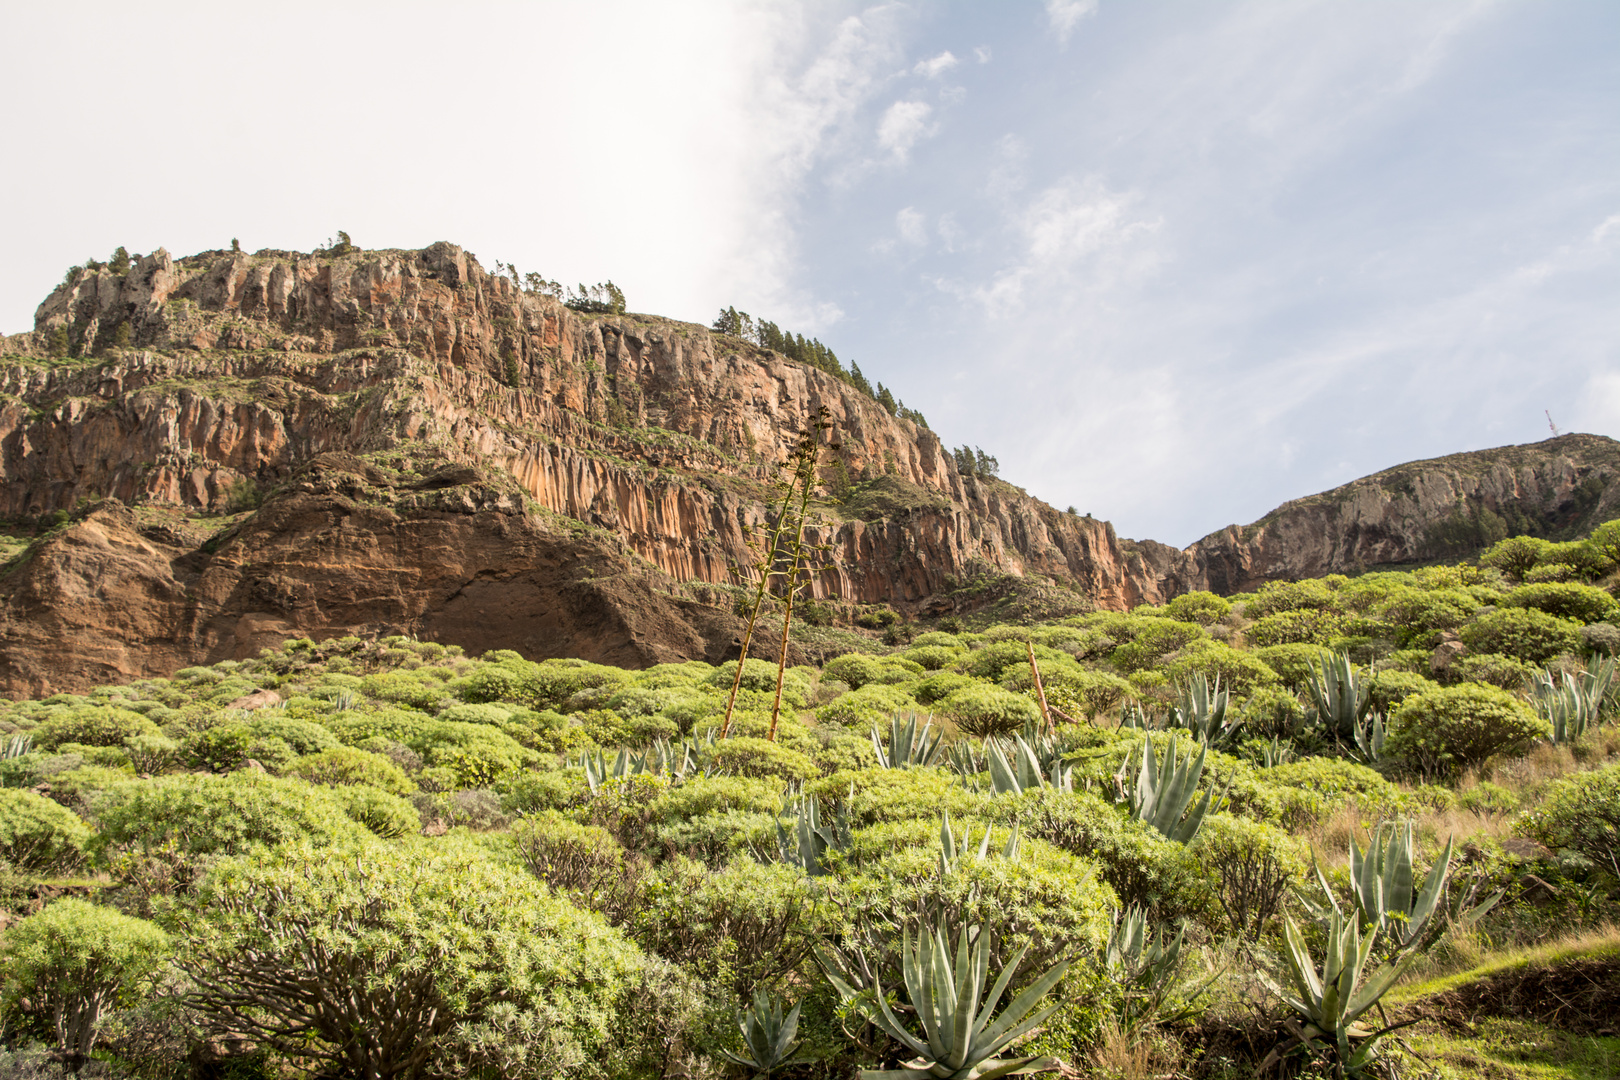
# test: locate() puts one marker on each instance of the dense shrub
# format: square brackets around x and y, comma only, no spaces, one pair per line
[1420,617]
[1516,555]
[382,812]
[1252,866]
[1524,633]
[1238,671]
[739,928]
[988,710]
[1388,688]
[1139,864]
[484,972]
[932,657]
[1203,608]
[757,757]
[1505,672]
[347,765]
[876,795]
[869,705]
[1567,599]
[37,834]
[931,690]
[157,832]
[90,725]
[71,964]
[1581,813]
[1154,641]
[1297,626]
[1445,730]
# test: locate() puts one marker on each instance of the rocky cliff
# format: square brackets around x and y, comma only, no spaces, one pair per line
[421,446]
[1444,508]
[185,388]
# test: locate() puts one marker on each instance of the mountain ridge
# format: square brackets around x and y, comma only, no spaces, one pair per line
[372,398]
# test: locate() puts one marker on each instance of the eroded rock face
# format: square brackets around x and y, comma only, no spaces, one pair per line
[1444,508]
[520,457]
[340,550]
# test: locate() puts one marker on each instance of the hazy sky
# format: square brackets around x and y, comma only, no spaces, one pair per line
[1172,263]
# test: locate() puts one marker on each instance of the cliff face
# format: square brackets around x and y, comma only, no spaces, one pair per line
[1443,508]
[442,453]
[223,374]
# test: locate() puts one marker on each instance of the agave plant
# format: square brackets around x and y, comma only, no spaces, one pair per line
[1369,739]
[805,845]
[1384,896]
[767,1037]
[1599,686]
[961,1032]
[953,849]
[1564,704]
[1146,961]
[1340,698]
[1202,708]
[1276,753]
[16,747]
[598,769]
[1015,768]
[1162,795]
[1331,1002]
[908,748]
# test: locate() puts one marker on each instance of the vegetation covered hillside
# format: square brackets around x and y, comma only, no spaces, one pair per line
[1126,844]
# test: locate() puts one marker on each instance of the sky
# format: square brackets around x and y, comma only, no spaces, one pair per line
[1171,263]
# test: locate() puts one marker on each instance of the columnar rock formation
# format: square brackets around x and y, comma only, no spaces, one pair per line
[443,453]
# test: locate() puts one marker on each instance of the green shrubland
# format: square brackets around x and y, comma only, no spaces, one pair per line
[417,863]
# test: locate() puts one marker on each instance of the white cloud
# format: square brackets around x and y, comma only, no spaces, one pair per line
[1599,405]
[912,226]
[1065,15]
[982,54]
[1070,230]
[903,124]
[934,68]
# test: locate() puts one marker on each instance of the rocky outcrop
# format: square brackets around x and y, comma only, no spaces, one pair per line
[343,548]
[619,448]
[1445,508]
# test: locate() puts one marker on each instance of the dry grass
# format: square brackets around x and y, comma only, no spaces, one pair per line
[1141,1055]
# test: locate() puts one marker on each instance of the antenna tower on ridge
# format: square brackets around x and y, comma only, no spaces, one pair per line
[1550,423]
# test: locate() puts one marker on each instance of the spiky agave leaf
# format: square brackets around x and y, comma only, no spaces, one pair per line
[961,1035]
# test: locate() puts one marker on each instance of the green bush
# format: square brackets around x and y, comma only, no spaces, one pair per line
[936,639]
[90,725]
[993,660]
[856,669]
[1301,626]
[38,835]
[1139,864]
[876,795]
[1505,672]
[738,928]
[757,757]
[1566,599]
[1581,813]
[1516,555]
[1240,672]
[1203,608]
[156,833]
[1252,866]
[932,657]
[1388,688]
[569,857]
[1445,730]
[384,813]
[1524,633]
[988,710]
[348,765]
[1156,639]
[1275,597]
[860,709]
[1420,617]
[72,963]
[939,685]
[706,795]
[484,972]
